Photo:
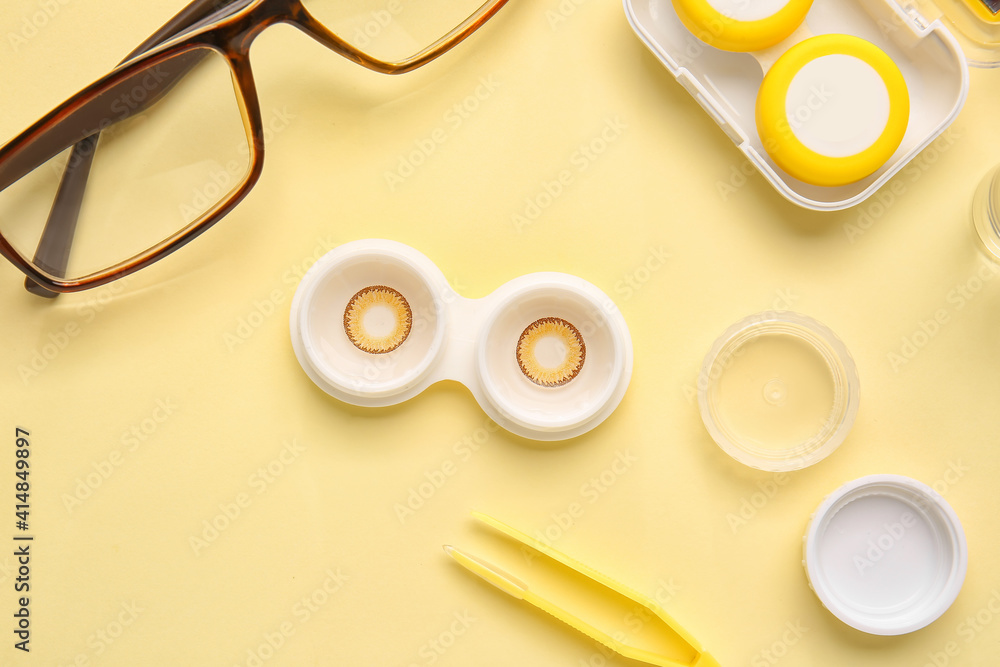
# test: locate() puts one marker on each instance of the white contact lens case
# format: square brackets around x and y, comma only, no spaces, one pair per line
[471,341]
[726,83]
[885,554]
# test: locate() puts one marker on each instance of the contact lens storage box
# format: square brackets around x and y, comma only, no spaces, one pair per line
[726,84]
[548,356]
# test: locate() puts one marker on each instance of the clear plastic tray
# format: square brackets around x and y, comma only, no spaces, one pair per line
[778,391]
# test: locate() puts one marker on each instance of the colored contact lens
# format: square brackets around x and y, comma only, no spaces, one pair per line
[551,352]
[378,319]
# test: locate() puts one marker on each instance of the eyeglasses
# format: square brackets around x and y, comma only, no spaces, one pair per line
[129,169]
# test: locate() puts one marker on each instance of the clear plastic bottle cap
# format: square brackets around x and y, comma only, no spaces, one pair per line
[986,214]
[778,391]
[885,554]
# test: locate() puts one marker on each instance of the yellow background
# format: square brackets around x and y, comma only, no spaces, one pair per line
[669,181]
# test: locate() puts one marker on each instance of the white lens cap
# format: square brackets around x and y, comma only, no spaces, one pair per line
[885,554]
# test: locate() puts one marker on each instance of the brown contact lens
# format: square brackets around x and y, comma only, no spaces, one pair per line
[551,352]
[378,319]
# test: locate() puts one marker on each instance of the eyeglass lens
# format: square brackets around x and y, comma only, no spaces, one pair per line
[140,162]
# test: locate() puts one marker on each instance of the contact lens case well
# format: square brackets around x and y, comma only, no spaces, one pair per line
[827,99]
[548,356]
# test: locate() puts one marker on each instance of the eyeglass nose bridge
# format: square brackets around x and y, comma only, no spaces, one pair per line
[234,29]
[295,13]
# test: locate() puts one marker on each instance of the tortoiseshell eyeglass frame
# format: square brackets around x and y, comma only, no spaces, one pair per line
[228,27]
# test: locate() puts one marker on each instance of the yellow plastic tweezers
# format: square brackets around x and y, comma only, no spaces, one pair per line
[519,590]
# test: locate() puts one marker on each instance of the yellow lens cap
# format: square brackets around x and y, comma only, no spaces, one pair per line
[985,10]
[832,110]
[742,25]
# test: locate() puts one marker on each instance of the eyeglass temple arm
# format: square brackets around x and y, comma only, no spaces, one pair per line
[56,239]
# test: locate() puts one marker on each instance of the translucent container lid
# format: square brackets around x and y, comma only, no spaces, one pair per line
[976,24]
[778,391]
